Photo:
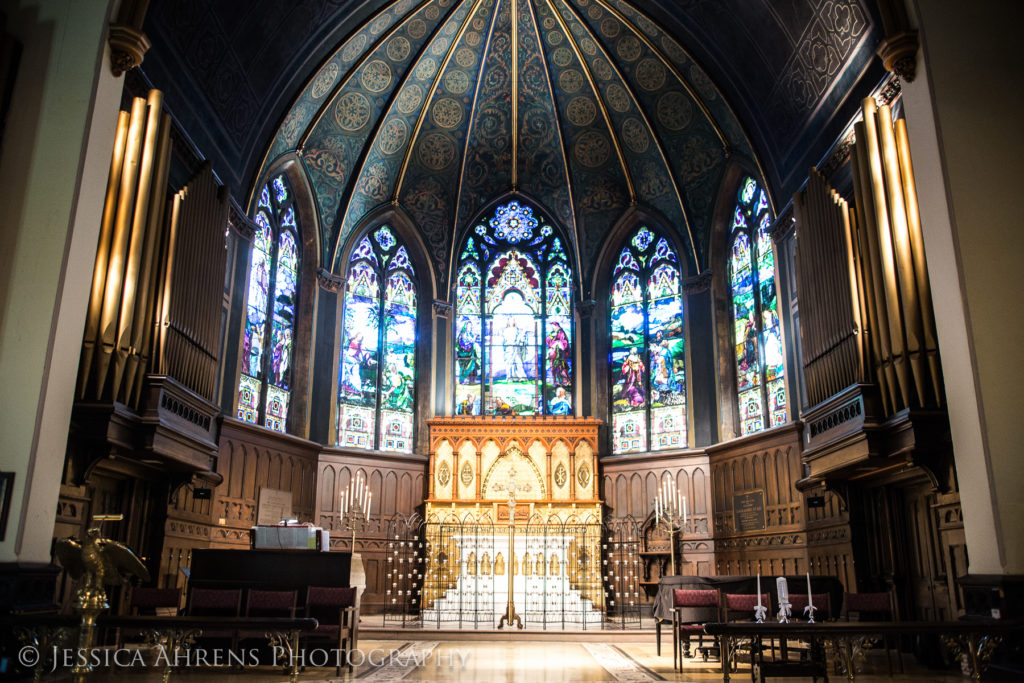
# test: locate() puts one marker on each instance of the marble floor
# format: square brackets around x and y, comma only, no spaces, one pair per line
[516,661]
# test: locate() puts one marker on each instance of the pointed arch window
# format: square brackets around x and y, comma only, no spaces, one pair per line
[648,347]
[757,335]
[377,360]
[264,385]
[513,318]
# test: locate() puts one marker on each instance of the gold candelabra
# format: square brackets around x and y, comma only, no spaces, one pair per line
[355,506]
[670,514]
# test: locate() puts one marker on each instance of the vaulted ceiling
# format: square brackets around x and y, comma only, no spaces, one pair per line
[585,106]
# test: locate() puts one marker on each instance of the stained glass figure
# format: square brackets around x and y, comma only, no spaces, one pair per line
[757,334]
[648,347]
[264,385]
[377,359]
[514,318]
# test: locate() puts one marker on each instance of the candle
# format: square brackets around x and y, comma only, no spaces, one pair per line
[657,511]
[368,496]
[341,504]
[759,589]
[810,602]
[684,510]
[783,589]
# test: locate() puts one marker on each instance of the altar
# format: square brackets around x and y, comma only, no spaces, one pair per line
[513,506]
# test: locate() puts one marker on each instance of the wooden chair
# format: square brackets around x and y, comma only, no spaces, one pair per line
[875,607]
[691,609]
[338,617]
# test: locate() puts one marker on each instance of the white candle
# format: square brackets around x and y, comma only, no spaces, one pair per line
[368,496]
[341,504]
[759,589]
[810,602]
[684,510]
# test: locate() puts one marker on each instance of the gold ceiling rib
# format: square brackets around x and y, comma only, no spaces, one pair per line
[672,68]
[369,52]
[654,135]
[346,200]
[561,139]
[302,91]
[600,101]
[429,97]
[515,95]
[469,129]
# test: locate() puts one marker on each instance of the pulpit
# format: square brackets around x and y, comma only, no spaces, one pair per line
[513,523]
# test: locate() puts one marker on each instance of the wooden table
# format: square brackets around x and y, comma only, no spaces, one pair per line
[977,639]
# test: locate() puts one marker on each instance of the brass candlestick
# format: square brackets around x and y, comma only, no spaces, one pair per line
[510,615]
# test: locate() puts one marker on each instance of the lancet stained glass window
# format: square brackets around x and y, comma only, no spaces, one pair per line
[377,359]
[648,347]
[513,318]
[757,335]
[264,385]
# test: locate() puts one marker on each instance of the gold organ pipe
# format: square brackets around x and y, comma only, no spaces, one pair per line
[99,274]
[136,276]
[853,263]
[924,289]
[909,301]
[143,327]
[165,305]
[115,280]
[884,372]
[813,229]
[886,258]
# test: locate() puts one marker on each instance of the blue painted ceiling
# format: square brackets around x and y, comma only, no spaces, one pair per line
[585,106]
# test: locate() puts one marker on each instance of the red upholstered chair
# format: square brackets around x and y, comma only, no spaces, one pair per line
[875,607]
[691,609]
[268,604]
[740,606]
[215,602]
[155,601]
[822,606]
[338,618]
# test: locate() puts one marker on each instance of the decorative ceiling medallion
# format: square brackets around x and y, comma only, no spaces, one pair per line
[571,80]
[324,80]
[466,475]
[410,98]
[352,111]
[617,97]
[583,476]
[629,48]
[560,475]
[446,112]
[650,74]
[437,151]
[398,49]
[675,111]
[581,110]
[376,76]
[591,149]
[444,475]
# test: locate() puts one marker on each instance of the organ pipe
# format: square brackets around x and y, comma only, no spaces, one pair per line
[154,304]
[831,333]
[861,271]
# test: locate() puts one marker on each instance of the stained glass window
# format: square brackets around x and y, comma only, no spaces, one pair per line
[264,386]
[648,347]
[513,318]
[757,335]
[377,358]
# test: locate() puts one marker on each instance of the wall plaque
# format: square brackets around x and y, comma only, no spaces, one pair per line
[748,511]
[272,506]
